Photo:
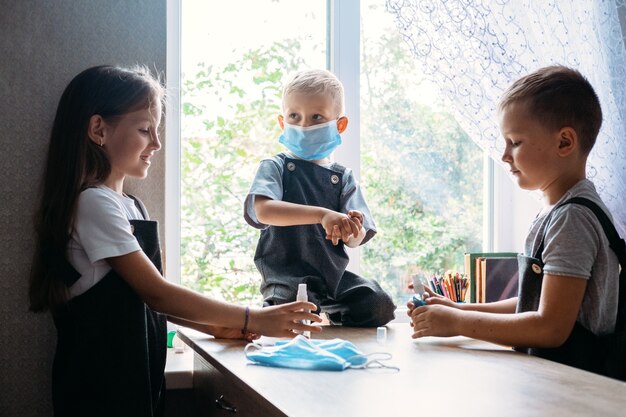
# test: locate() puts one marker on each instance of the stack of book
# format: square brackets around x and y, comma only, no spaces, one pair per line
[493,276]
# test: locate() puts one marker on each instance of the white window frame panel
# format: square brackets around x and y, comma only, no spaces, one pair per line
[512,212]
[488,203]
[172,143]
[344,53]
[508,210]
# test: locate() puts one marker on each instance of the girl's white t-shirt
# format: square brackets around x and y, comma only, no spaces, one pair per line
[101,230]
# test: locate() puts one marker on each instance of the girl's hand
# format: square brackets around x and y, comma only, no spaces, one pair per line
[228,333]
[282,320]
[435,320]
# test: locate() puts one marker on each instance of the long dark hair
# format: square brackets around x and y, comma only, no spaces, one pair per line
[75,162]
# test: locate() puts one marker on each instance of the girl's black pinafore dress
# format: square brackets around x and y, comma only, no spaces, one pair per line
[111,347]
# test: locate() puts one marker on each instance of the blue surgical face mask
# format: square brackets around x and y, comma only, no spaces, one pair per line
[312,142]
[342,348]
[303,353]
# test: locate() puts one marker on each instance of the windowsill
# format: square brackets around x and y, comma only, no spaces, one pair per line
[179,369]
[401,316]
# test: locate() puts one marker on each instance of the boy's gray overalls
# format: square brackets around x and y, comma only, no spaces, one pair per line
[582,349]
[288,256]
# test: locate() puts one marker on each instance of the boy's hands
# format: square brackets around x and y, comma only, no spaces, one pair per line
[341,226]
[431,297]
[336,225]
[434,320]
[357,216]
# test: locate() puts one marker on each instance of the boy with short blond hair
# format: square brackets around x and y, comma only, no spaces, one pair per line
[309,207]
[568,273]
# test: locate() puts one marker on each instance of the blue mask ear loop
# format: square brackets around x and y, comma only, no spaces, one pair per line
[374,362]
[255,345]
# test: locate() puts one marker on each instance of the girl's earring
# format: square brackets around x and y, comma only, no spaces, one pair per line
[101,143]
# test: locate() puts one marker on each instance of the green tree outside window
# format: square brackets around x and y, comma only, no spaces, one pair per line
[421,174]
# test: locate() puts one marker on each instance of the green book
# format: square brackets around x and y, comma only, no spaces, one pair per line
[470,267]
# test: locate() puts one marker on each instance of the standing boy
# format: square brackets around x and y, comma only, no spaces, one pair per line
[309,207]
[568,273]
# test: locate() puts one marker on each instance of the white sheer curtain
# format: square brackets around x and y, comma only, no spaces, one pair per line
[473,49]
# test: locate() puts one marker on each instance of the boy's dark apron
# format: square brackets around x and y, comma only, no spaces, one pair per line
[582,349]
[576,351]
[111,346]
[287,256]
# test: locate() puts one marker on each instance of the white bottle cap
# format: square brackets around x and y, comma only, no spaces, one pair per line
[381,335]
[302,295]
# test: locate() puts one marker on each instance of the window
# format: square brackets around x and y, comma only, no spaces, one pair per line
[230,95]
[422,176]
[422,173]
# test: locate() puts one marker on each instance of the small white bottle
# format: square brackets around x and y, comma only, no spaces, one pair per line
[303,296]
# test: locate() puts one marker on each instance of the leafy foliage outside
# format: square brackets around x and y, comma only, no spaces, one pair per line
[420,172]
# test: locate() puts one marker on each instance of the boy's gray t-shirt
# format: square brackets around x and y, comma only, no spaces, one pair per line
[575,245]
[268,182]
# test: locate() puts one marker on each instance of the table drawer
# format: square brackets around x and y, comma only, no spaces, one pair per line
[217,395]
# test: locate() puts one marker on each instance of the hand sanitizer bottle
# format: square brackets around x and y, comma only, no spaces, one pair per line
[418,288]
[303,296]
[417,300]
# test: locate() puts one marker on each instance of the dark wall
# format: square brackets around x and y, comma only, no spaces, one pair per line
[43,44]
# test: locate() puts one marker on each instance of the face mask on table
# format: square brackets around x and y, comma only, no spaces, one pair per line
[303,353]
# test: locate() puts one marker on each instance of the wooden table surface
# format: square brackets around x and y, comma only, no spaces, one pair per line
[438,377]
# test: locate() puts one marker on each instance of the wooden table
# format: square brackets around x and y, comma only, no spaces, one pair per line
[438,377]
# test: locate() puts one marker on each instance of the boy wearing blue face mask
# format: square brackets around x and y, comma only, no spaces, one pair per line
[309,207]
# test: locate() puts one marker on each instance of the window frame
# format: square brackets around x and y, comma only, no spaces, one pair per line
[503,200]
[343,52]
[171,144]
